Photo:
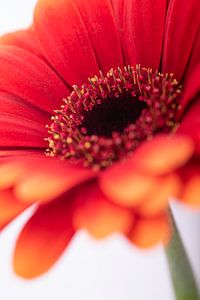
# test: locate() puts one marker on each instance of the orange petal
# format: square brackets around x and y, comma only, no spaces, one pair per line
[191,194]
[9,173]
[157,201]
[125,186]
[43,239]
[46,179]
[148,232]
[163,154]
[99,216]
[10,207]
[190,177]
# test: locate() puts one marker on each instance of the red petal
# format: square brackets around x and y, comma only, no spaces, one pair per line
[194,58]
[191,88]
[25,39]
[27,77]
[163,154]
[182,25]
[190,124]
[10,207]
[47,178]
[15,153]
[143,31]
[12,105]
[65,40]
[20,132]
[148,232]
[99,216]
[118,8]
[100,23]
[43,239]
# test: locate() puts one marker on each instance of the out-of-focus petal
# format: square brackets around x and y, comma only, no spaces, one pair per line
[10,207]
[157,201]
[16,164]
[124,185]
[182,25]
[28,77]
[190,125]
[46,179]
[190,176]
[10,171]
[98,215]
[131,182]
[65,40]
[150,231]
[191,194]
[163,154]
[43,239]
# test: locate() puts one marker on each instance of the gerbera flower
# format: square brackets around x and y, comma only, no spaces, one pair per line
[120,143]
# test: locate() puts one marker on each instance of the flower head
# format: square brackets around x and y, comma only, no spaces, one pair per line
[104,121]
[98,112]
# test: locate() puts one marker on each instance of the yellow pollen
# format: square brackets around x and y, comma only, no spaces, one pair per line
[93,79]
[69,140]
[87,145]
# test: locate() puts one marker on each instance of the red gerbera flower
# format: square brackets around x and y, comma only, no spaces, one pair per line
[120,143]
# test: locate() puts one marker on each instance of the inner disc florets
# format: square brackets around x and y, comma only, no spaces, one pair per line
[108,117]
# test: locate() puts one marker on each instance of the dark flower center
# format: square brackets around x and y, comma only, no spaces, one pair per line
[106,119]
[113,115]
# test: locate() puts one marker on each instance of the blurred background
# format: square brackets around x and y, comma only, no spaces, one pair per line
[111,269]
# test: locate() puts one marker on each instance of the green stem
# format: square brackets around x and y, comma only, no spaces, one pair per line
[182,276]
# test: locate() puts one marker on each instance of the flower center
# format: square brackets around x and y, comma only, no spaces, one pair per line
[113,115]
[107,119]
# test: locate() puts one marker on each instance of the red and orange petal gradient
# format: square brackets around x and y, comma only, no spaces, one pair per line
[70,41]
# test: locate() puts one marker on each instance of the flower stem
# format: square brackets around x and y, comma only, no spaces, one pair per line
[182,276]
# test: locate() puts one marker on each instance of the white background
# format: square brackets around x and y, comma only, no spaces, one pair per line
[89,270]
